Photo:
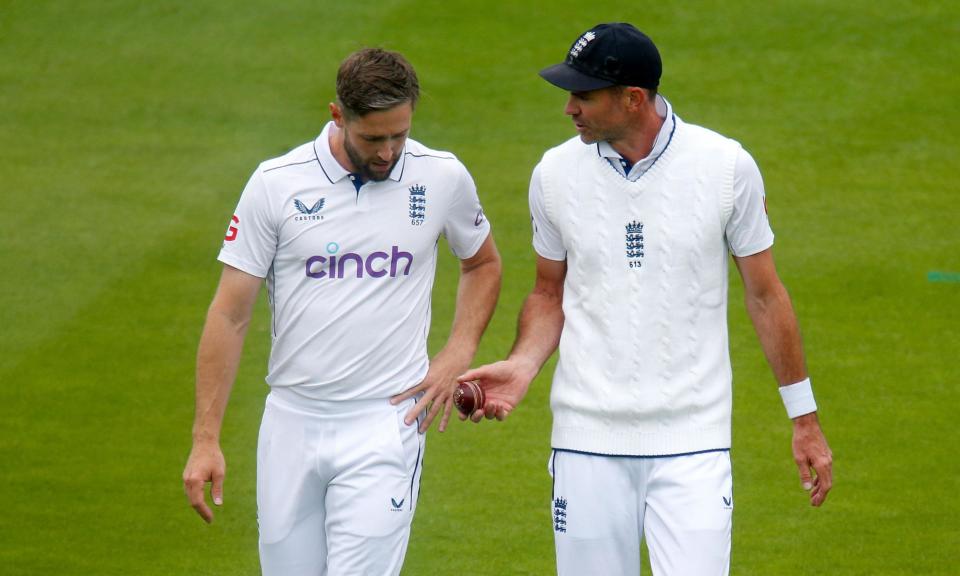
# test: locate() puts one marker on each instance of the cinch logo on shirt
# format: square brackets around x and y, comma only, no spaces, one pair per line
[352,265]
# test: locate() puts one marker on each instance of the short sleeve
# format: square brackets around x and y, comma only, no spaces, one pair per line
[466,226]
[748,229]
[251,241]
[546,238]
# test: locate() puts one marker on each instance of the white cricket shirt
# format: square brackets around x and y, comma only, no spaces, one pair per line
[349,272]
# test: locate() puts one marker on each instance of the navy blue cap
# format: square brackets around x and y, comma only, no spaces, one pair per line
[608,55]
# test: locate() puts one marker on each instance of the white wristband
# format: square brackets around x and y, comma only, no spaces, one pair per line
[798,398]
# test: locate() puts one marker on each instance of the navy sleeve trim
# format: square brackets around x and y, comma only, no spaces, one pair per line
[405,153]
[430,156]
[294,164]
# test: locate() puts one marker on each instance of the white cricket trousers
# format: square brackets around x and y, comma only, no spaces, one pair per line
[604,505]
[337,486]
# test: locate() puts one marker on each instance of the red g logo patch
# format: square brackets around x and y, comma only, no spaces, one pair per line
[232,230]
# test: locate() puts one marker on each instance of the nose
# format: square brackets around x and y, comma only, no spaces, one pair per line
[385,152]
[571,109]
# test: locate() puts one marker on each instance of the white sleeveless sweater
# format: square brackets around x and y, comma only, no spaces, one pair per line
[644,366]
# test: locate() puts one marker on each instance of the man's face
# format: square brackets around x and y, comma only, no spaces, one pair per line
[374,142]
[598,114]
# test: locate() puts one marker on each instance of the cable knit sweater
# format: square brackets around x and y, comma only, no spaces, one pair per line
[644,365]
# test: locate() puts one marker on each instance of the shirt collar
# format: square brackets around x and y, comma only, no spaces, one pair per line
[665,111]
[332,168]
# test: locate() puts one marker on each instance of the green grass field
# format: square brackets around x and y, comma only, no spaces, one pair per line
[128,129]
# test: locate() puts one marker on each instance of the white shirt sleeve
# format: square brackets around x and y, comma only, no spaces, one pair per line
[546,238]
[748,229]
[466,226]
[251,241]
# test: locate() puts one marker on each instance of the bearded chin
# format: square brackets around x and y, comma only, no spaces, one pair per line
[363,167]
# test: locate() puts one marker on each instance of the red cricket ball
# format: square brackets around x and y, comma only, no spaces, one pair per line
[468,397]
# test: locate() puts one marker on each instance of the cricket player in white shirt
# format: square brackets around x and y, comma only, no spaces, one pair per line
[345,231]
[634,221]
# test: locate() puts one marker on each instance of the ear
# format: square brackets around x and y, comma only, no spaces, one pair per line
[636,98]
[336,114]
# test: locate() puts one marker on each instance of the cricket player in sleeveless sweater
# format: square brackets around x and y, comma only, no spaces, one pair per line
[345,231]
[633,220]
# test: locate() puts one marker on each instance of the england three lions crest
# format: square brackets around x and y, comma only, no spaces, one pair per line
[634,243]
[418,204]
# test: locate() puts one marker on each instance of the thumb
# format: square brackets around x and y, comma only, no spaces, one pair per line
[806,480]
[217,490]
[474,374]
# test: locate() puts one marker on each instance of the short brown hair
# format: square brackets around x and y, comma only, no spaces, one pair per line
[375,79]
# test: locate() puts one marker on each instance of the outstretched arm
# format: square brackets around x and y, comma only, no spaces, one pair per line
[773,318]
[477,294]
[538,335]
[217,361]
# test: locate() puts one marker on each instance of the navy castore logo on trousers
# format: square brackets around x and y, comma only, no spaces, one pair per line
[397,506]
[377,264]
